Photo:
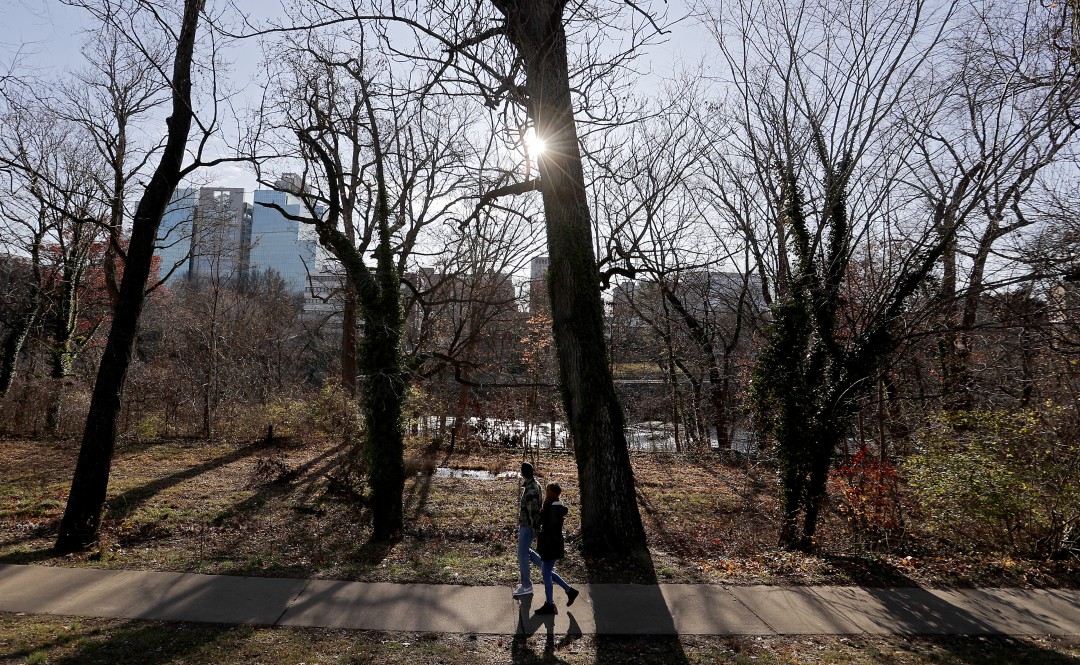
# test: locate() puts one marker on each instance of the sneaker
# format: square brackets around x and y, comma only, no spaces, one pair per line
[547,608]
[571,596]
[523,591]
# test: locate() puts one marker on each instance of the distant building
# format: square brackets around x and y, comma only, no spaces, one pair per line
[221,239]
[205,234]
[622,304]
[538,293]
[278,243]
[173,247]
[210,233]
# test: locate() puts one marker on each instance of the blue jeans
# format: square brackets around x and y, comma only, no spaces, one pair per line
[547,569]
[525,554]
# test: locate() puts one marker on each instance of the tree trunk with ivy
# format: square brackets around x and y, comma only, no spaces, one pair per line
[382,365]
[809,376]
[384,390]
[610,519]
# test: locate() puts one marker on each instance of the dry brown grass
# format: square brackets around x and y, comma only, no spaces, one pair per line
[86,641]
[252,509]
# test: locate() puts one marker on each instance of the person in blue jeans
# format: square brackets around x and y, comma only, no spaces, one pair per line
[551,547]
[529,506]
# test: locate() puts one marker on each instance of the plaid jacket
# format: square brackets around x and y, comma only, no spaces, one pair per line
[532,499]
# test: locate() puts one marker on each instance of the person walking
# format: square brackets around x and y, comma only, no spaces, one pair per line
[529,506]
[551,547]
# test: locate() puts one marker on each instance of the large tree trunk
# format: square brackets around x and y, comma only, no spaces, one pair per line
[610,520]
[82,516]
[384,393]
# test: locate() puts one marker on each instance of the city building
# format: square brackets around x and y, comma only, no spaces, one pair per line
[211,234]
[286,246]
[221,238]
[205,234]
[174,236]
[538,294]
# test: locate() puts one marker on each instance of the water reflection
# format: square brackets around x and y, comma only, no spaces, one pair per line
[472,474]
[646,436]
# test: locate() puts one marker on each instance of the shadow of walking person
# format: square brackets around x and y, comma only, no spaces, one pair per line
[530,623]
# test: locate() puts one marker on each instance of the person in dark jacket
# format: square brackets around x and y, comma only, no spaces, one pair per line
[551,547]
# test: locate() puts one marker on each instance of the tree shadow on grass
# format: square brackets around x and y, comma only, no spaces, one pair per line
[867,571]
[999,649]
[28,558]
[121,505]
[308,471]
[132,643]
[416,496]
[366,556]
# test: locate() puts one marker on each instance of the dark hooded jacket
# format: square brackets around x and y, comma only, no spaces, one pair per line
[549,543]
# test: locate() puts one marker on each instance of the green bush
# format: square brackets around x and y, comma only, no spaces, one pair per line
[1000,481]
[148,429]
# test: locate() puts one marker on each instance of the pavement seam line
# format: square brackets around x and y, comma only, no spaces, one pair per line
[288,606]
[751,611]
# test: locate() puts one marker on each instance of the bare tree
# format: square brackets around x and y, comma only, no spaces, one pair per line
[464,322]
[1014,112]
[53,212]
[490,48]
[119,88]
[134,20]
[381,163]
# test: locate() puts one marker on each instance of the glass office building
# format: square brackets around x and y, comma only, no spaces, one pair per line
[280,244]
[173,247]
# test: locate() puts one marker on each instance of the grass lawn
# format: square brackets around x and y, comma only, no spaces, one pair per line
[225,507]
[71,641]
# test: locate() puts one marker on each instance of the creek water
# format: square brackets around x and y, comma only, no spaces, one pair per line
[472,474]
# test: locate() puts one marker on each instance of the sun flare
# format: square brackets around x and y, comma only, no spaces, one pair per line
[533,143]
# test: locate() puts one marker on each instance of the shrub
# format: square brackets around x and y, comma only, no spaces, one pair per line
[866,493]
[337,413]
[148,429]
[1000,481]
[272,470]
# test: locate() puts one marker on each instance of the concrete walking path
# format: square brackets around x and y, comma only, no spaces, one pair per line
[610,609]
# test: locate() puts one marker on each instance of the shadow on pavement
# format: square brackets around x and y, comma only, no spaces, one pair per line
[952,620]
[530,623]
[617,624]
